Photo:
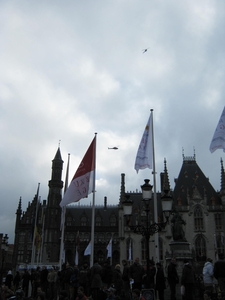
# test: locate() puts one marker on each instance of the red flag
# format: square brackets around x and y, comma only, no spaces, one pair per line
[82,183]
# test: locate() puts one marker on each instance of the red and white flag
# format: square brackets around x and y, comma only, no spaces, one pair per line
[82,183]
[218,140]
[144,157]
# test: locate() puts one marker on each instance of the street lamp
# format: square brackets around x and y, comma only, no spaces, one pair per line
[4,249]
[148,229]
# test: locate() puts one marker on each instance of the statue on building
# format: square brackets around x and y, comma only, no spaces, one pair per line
[177,229]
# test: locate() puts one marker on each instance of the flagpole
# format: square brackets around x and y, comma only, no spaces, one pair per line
[93,210]
[35,223]
[63,214]
[155,194]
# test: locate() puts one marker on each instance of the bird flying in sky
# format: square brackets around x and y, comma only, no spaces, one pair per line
[145,50]
[113,148]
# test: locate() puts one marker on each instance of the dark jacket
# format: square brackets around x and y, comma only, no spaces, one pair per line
[96,279]
[172,274]
[136,272]
[188,275]
[219,269]
[160,280]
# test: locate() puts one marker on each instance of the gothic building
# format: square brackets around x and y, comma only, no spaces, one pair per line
[201,207]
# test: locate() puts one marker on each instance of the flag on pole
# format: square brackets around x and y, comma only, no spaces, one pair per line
[87,251]
[130,253]
[144,157]
[109,249]
[77,249]
[82,183]
[218,140]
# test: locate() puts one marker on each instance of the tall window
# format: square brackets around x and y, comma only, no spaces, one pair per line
[198,218]
[218,221]
[200,248]
[83,221]
[112,220]
[98,221]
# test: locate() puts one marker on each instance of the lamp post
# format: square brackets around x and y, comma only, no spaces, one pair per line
[148,229]
[4,249]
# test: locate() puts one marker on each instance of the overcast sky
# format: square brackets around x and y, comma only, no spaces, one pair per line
[73,68]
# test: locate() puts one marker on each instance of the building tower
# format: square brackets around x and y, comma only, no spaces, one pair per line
[52,213]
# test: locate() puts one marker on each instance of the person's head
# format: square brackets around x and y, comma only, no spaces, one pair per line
[80,291]
[219,296]
[117,267]
[136,260]
[158,265]
[207,295]
[124,262]
[136,293]
[173,261]
[209,260]
[110,291]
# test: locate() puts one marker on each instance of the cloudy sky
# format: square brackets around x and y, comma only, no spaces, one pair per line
[73,68]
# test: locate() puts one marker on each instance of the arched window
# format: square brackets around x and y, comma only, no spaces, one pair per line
[200,248]
[69,221]
[218,221]
[98,221]
[83,221]
[112,220]
[198,218]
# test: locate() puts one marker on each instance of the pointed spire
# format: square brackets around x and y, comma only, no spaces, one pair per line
[19,209]
[166,183]
[222,187]
[58,155]
[122,188]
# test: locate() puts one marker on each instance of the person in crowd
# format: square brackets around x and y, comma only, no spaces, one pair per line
[173,278]
[35,279]
[188,280]
[6,292]
[80,294]
[207,295]
[136,273]
[40,295]
[44,279]
[136,295]
[152,273]
[160,284]
[26,281]
[9,279]
[219,273]
[16,280]
[110,293]
[126,279]
[107,274]
[207,273]
[66,277]
[74,282]
[118,281]
[84,278]
[96,280]
[51,283]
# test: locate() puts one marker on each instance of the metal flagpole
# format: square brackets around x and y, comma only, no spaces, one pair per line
[63,214]
[155,195]
[93,210]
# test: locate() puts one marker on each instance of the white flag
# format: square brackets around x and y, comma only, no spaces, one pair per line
[83,180]
[218,140]
[130,253]
[144,156]
[109,249]
[88,249]
[76,257]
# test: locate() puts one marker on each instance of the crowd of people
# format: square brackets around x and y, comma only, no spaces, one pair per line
[104,282]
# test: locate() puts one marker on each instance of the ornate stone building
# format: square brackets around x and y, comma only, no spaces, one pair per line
[201,207]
